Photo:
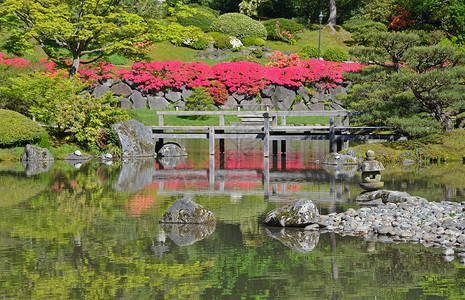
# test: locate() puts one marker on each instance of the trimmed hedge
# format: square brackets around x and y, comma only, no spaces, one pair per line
[238,25]
[16,129]
[336,54]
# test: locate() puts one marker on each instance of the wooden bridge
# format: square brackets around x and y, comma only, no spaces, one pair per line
[264,125]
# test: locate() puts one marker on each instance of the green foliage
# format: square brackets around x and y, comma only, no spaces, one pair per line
[336,54]
[238,25]
[258,53]
[16,129]
[58,102]
[253,41]
[117,59]
[7,100]
[223,42]
[288,25]
[200,44]
[99,27]
[361,29]
[200,99]
[177,34]
[200,20]
[416,126]
[308,51]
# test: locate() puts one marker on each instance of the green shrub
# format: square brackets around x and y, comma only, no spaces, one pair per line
[116,59]
[238,25]
[214,34]
[308,52]
[222,42]
[200,99]
[283,25]
[200,20]
[258,53]
[336,54]
[200,44]
[253,41]
[204,9]
[17,130]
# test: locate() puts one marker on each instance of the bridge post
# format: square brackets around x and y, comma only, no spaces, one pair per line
[338,142]
[211,138]
[331,134]
[266,139]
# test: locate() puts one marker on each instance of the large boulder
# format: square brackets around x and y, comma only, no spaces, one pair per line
[135,174]
[283,98]
[34,153]
[299,213]
[185,211]
[135,139]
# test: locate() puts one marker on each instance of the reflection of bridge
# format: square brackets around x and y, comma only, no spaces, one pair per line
[276,184]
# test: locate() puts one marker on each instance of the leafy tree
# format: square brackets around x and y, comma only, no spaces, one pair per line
[92,27]
[405,81]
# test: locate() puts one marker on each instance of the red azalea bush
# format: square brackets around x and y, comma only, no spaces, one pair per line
[220,79]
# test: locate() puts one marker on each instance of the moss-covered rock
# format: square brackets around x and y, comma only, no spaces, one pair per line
[16,129]
[299,213]
[185,211]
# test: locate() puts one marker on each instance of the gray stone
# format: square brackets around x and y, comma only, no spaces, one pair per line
[171,150]
[371,203]
[34,153]
[269,90]
[121,89]
[78,156]
[173,96]
[231,103]
[100,90]
[266,103]
[244,52]
[335,106]
[266,49]
[171,162]
[135,139]
[317,106]
[108,82]
[448,251]
[385,195]
[158,103]
[211,46]
[125,103]
[217,54]
[135,174]
[238,96]
[283,98]
[407,162]
[138,101]
[303,92]
[185,92]
[339,159]
[187,234]
[180,104]
[186,211]
[300,107]
[249,104]
[298,213]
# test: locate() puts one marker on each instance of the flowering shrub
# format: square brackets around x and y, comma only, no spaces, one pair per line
[221,79]
[236,44]
[280,60]
[16,62]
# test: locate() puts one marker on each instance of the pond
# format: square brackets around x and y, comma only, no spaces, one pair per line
[91,231]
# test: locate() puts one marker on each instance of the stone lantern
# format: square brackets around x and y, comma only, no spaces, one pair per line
[371,172]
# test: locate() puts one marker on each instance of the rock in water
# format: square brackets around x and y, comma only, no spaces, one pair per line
[34,153]
[135,139]
[172,150]
[300,213]
[188,234]
[186,211]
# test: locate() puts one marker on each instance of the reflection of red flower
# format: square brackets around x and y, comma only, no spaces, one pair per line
[143,200]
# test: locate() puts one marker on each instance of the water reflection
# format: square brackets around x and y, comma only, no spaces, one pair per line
[297,239]
[36,167]
[187,234]
[93,232]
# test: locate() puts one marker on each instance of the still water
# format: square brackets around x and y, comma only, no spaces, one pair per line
[91,231]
